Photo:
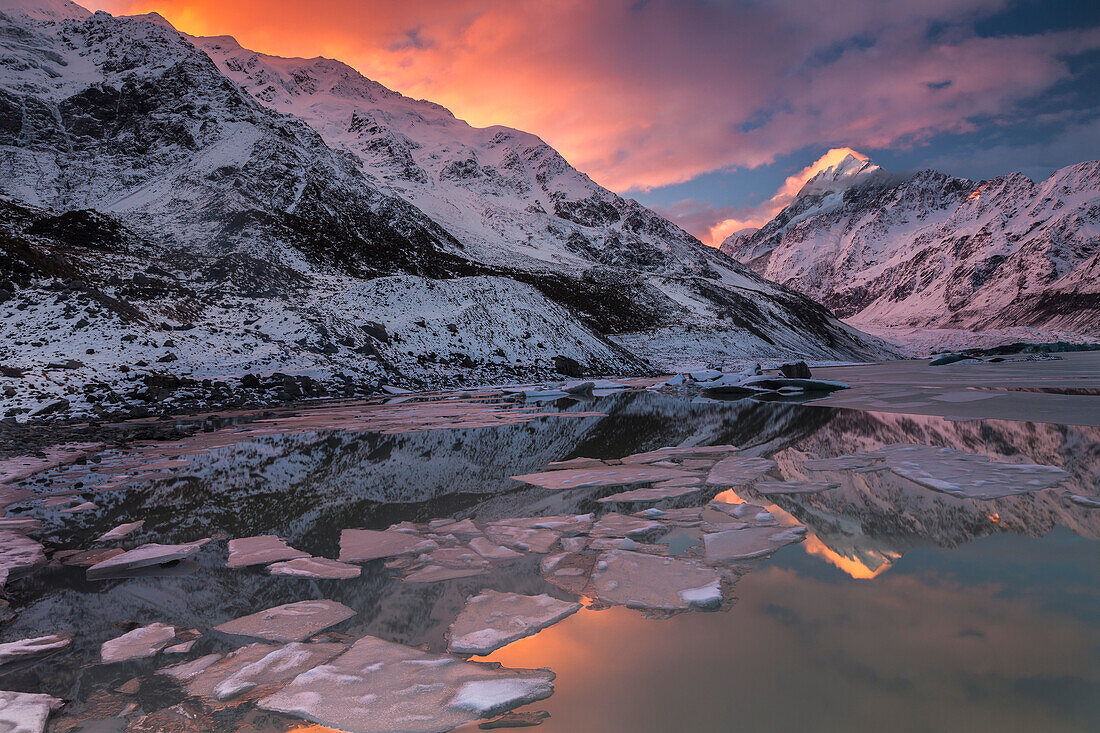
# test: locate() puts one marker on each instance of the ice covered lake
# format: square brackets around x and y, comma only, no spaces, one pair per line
[917,553]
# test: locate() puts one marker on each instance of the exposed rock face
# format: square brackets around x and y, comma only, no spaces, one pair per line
[934,250]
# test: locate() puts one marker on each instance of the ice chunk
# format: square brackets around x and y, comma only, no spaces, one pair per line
[524,538]
[488,550]
[18,553]
[361,545]
[1089,501]
[705,375]
[750,542]
[493,619]
[315,567]
[606,476]
[637,580]
[738,470]
[255,665]
[381,687]
[967,475]
[143,557]
[653,494]
[260,550]
[137,644]
[620,525]
[120,531]
[290,622]
[36,648]
[23,712]
[843,463]
[794,487]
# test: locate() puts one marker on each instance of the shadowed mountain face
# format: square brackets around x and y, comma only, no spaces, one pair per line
[930,249]
[119,131]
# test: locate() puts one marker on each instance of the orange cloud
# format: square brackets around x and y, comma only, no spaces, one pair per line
[641,95]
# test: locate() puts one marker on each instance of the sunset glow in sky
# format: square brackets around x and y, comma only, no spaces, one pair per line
[706,110]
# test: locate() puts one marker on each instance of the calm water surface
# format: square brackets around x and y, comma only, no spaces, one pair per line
[904,609]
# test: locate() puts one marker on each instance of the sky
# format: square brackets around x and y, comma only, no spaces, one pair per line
[711,111]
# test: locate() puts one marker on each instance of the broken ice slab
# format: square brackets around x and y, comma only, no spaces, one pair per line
[650,495]
[362,545]
[637,580]
[23,712]
[140,643]
[381,687]
[967,475]
[87,558]
[18,554]
[1090,501]
[843,463]
[20,524]
[315,567]
[491,551]
[574,463]
[525,539]
[437,573]
[260,550]
[571,572]
[738,470]
[145,556]
[85,507]
[120,531]
[493,619]
[794,487]
[221,678]
[662,454]
[33,649]
[608,476]
[620,525]
[290,622]
[750,542]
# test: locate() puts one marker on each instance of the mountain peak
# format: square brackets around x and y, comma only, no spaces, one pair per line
[44,9]
[846,172]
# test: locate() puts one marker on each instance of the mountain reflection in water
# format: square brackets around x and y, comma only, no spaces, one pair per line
[899,597]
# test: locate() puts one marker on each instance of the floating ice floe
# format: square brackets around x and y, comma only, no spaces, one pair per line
[605,476]
[491,551]
[120,531]
[290,622]
[738,470]
[1089,501]
[141,643]
[18,554]
[23,712]
[967,475]
[260,550]
[33,649]
[652,494]
[793,487]
[522,538]
[84,507]
[87,558]
[620,525]
[705,375]
[749,543]
[381,687]
[146,556]
[493,619]
[844,463]
[315,567]
[224,677]
[637,580]
[362,545]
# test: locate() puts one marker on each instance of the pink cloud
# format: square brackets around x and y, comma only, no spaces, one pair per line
[641,95]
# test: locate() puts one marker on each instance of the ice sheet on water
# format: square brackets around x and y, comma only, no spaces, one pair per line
[493,619]
[140,643]
[738,470]
[290,622]
[225,677]
[120,531]
[620,525]
[145,556]
[637,580]
[491,551]
[608,476]
[27,649]
[794,487]
[315,567]
[361,545]
[750,542]
[22,712]
[260,550]
[843,463]
[650,495]
[18,554]
[381,687]
[967,475]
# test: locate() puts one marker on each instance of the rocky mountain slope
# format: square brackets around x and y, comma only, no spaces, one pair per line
[932,250]
[146,192]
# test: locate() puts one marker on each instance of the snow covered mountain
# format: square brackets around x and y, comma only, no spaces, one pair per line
[932,250]
[326,227]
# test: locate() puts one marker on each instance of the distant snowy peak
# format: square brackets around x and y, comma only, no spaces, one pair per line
[930,249]
[849,171]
